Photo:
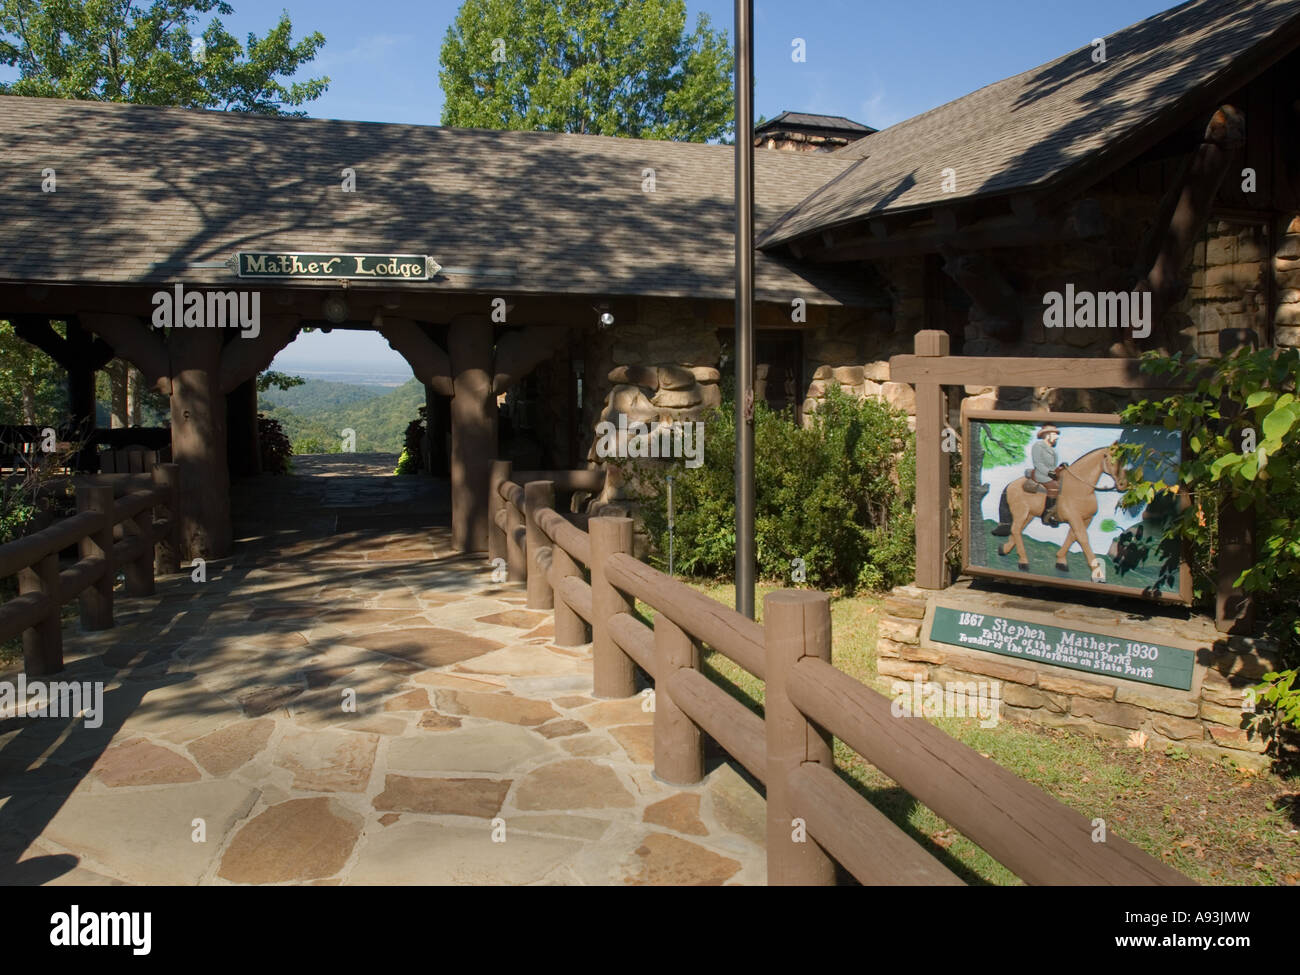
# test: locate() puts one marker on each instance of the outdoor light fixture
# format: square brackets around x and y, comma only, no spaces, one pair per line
[606,318]
[336,309]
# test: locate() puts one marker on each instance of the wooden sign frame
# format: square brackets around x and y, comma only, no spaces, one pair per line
[1182,595]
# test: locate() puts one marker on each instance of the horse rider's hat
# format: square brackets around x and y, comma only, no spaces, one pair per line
[1047,428]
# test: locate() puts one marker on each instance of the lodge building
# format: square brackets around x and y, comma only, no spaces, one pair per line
[590,278]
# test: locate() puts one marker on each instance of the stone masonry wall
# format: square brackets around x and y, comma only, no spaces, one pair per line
[1208,720]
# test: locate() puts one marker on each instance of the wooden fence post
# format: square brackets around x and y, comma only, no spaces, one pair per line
[501,470]
[796,624]
[139,571]
[679,750]
[614,672]
[167,558]
[97,600]
[570,628]
[516,557]
[43,643]
[538,495]
[931,471]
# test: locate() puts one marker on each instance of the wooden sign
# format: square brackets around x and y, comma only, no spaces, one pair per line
[368,267]
[1094,653]
[1041,496]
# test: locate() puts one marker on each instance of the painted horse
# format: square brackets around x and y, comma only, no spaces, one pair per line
[1076,506]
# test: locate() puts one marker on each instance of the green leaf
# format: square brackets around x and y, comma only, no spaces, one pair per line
[1279,422]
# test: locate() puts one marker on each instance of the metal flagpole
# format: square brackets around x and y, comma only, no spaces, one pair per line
[745,568]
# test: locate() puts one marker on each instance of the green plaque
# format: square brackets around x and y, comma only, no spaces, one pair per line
[366,267]
[1094,653]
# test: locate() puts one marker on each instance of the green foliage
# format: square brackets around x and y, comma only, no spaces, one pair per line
[834,494]
[33,387]
[1241,422]
[318,411]
[280,380]
[116,51]
[317,445]
[1008,447]
[275,446]
[408,463]
[602,67]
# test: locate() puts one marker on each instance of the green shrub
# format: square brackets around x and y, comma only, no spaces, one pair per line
[317,445]
[1247,457]
[275,446]
[838,495]
[408,463]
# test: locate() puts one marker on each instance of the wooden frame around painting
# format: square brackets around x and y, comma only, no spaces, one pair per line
[1142,557]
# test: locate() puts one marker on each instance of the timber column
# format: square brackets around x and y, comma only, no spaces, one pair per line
[199,441]
[470,348]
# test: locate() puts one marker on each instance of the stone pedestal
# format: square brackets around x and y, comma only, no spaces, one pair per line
[1209,718]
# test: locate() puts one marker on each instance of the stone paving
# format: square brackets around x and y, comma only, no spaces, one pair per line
[347,701]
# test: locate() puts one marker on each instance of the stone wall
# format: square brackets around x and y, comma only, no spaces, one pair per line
[1206,720]
[1286,276]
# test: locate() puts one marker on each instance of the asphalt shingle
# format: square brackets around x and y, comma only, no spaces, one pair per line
[1035,127]
[144,191]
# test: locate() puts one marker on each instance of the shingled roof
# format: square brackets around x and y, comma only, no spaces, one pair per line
[144,194]
[806,120]
[1039,126]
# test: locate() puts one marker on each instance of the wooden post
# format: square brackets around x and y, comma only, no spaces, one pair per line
[516,557]
[501,470]
[679,750]
[614,672]
[139,571]
[537,495]
[570,628]
[43,643]
[931,471]
[97,600]
[796,624]
[167,558]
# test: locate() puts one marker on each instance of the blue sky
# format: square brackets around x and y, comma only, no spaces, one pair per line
[877,61]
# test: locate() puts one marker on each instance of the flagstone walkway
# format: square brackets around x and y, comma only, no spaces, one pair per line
[346,701]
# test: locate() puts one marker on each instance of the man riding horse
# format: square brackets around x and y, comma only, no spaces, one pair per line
[1046,473]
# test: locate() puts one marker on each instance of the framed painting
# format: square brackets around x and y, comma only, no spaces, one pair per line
[1040,503]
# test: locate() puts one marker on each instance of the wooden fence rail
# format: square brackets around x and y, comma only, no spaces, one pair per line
[814,817]
[116,527]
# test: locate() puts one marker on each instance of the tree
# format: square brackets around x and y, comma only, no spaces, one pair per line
[117,51]
[280,380]
[603,67]
[31,383]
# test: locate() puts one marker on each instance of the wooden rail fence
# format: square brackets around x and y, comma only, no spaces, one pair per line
[116,525]
[807,700]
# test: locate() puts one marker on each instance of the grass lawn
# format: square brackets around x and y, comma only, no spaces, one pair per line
[1216,823]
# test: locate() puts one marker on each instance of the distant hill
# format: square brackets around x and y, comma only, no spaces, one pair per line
[314,414]
[316,395]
